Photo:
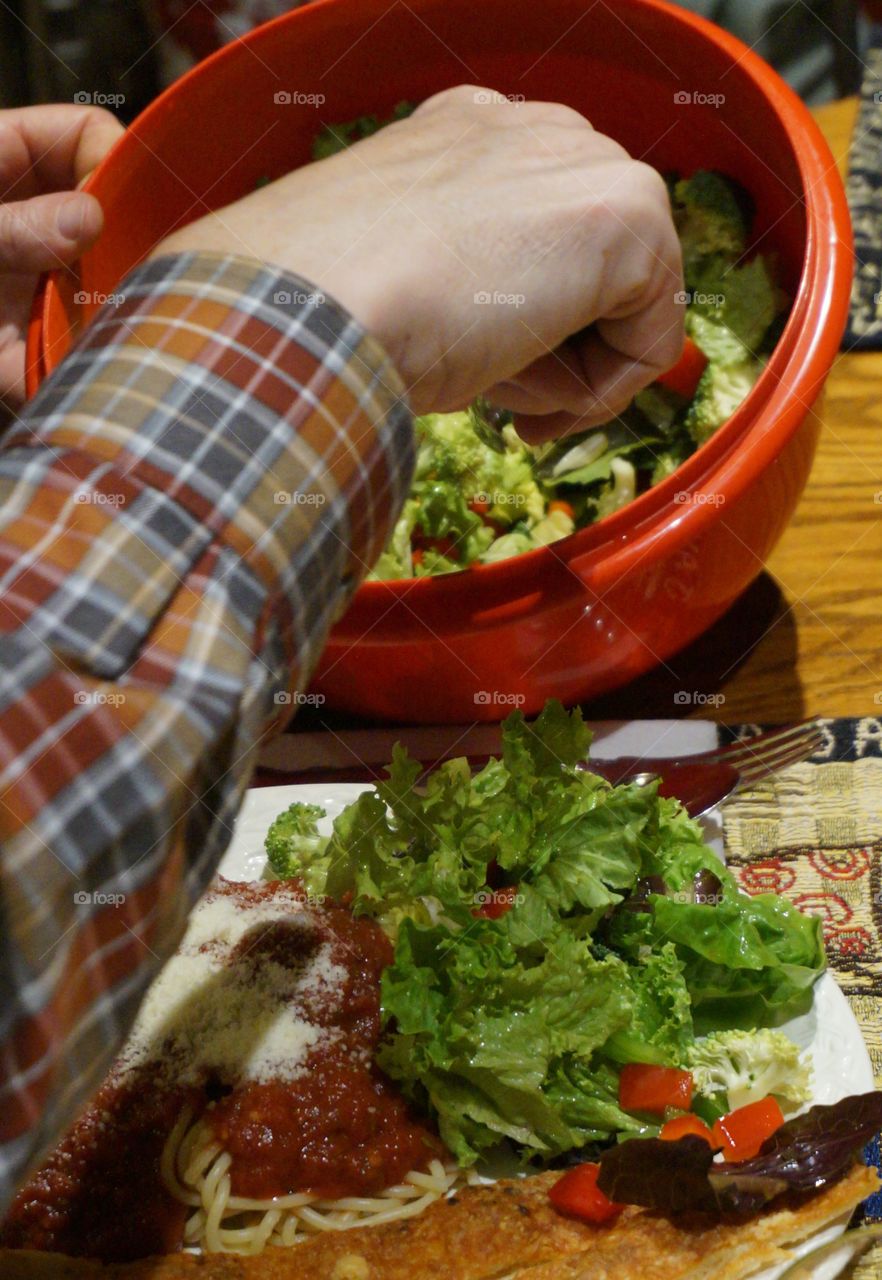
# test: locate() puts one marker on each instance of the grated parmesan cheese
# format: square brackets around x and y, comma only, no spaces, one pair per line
[223,1008]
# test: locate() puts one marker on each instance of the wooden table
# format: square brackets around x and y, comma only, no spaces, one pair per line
[806,639]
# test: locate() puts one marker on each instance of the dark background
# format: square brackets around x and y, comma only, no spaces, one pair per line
[52,50]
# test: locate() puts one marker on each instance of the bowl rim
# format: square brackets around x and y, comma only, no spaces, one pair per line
[822,296]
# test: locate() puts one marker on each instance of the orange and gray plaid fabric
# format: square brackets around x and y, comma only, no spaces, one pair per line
[185,508]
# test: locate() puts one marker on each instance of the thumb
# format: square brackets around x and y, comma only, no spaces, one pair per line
[48,231]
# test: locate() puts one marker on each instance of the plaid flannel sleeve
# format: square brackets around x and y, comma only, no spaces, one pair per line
[185,508]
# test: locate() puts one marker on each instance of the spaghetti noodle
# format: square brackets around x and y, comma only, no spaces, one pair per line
[196,1171]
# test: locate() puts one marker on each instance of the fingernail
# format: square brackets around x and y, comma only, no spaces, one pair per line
[70,219]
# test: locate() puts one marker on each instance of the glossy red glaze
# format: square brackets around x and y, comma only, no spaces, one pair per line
[595,610]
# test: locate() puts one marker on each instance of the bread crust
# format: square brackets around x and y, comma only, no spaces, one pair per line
[506,1230]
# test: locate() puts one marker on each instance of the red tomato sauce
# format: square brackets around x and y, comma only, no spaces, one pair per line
[337,1128]
[99,1194]
[340,1128]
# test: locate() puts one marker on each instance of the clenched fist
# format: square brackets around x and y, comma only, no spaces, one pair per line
[491,246]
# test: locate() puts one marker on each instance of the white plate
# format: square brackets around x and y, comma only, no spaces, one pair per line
[829,1032]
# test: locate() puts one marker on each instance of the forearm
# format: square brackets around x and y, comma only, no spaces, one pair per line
[187,506]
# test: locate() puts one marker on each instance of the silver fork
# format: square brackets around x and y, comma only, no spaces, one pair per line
[702,780]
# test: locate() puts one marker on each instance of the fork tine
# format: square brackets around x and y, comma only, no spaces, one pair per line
[761,768]
[765,743]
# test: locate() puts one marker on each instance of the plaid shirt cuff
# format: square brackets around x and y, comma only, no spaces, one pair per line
[185,508]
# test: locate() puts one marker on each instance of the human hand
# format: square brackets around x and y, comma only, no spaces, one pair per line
[44,153]
[491,247]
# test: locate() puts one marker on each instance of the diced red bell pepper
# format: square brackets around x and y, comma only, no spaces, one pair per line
[578,1194]
[480,506]
[496,902]
[686,1126]
[742,1132]
[646,1087]
[686,373]
[558,504]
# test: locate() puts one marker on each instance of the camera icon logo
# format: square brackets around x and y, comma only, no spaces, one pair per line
[82,899]
[283,699]
[483,297]
[281,498]
[681,97]
[682,698]
[82,97]
[282,298]
[683,298]
[282,98]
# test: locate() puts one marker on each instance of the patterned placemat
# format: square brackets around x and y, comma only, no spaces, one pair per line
[864,189]
[814,833]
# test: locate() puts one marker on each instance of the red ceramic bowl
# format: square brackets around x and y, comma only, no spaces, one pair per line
[593,611]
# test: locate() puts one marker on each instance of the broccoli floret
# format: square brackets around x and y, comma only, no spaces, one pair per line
[294,846]
[720,391]
[748,1066]
[709,220]
[717,341]
[741,302]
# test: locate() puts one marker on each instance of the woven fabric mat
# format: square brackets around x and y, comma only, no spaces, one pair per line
[814,833]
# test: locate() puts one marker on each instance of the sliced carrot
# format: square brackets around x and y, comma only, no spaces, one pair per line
[558,504]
